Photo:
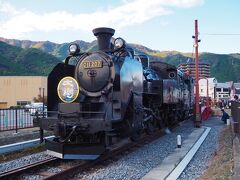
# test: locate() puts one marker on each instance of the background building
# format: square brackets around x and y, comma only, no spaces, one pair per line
[223,91]
[219,91]
[189,68]
[20,90]
[211,87]
[236,89]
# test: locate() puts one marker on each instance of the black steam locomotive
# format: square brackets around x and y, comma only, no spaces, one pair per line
[96,99]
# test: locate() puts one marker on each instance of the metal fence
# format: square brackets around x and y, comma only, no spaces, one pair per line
[14,119]
[235,111]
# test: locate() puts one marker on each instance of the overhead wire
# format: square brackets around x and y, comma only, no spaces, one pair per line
[221,34]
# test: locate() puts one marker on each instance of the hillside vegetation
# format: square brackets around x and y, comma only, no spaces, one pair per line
[38,57]
[17,61]
[223,67]
[58,50]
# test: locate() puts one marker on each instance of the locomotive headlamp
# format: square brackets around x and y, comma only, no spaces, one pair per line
[68,89]
[74,49]
[119,43]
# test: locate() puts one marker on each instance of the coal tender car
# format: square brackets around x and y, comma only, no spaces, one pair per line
[96,99]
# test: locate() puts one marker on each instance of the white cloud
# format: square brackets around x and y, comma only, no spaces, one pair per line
[8,8]
[20,22]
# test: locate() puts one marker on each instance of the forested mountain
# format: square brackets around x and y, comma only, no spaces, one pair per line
[31,61]
[58,50]
[224,67]
[24,57]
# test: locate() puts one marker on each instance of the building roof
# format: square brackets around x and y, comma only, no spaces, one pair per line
[2,77]
[211,81]
[237,85]
[191,63]
[223,85]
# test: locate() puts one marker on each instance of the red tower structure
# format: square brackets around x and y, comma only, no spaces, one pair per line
[197,121]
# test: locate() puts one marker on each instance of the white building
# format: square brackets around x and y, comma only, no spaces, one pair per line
[236,89]
[218,91]
[223,91]
[203,87]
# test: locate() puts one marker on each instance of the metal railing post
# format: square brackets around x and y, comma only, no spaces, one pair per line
[43,103]
[16,120]
[41,135]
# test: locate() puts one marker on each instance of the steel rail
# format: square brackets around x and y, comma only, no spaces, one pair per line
[80,166]
[20,170]
[89,164]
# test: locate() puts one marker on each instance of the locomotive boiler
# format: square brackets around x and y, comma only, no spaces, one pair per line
[95,99]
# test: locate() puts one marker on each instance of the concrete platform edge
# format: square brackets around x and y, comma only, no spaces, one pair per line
[183,164]
[21,145]
[173,165]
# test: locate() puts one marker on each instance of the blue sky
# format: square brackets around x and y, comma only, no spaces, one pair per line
[157,24]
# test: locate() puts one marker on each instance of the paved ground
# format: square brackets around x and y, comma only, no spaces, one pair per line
[217,111]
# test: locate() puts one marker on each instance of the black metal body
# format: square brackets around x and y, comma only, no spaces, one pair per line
[121,95]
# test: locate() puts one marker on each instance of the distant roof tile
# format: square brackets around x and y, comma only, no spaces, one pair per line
[223,85]
[237,85]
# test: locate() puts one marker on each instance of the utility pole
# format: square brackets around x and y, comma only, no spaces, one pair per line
[197,121]
[207,101]
[43,103]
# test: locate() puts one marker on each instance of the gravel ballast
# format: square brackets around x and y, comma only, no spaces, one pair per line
[23,161]
[136,164]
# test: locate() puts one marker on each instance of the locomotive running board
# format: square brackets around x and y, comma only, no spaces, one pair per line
[74,151]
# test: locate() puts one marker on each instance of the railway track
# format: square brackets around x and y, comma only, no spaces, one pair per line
[114,152]
[54,168]
[18,171]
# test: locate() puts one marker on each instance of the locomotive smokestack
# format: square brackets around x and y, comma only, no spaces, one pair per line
[104,37]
